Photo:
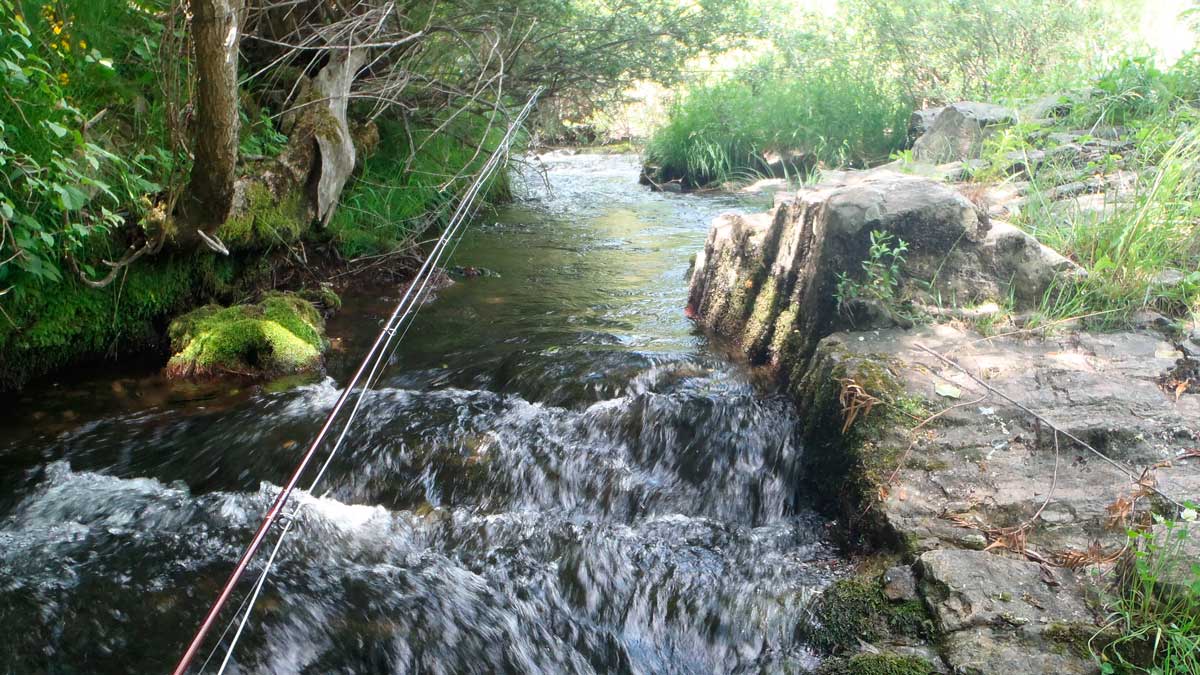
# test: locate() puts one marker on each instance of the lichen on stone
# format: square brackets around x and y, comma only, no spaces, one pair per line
[279,335]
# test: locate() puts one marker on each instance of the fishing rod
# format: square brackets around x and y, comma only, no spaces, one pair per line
[373,360]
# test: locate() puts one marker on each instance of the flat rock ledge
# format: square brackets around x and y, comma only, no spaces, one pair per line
[1008,527]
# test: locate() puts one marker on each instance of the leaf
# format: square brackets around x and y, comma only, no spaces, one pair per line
[947,390]
[58,129]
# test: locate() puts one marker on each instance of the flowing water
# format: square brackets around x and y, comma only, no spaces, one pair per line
[556,474]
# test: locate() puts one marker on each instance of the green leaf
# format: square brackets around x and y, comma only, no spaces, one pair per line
[58,129]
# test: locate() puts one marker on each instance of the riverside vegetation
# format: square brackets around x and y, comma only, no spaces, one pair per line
[143,208]
[143,178]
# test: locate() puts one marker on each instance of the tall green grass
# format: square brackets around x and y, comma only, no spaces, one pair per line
[1140,253]
[833,112]
[411,183]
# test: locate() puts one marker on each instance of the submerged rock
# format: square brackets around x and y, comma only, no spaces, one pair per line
[958,131]
[283,334]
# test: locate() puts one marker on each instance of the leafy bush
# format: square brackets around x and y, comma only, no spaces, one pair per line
[64,184]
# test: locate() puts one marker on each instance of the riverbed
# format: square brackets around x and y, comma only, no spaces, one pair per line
[556,474]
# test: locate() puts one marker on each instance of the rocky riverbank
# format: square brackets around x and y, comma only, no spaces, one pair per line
[989,479]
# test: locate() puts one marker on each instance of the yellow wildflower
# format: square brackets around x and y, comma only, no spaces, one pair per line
[64,79]
[83,44]
[58,28]
[66,45]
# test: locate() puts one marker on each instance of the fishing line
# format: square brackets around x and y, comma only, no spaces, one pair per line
[376,359]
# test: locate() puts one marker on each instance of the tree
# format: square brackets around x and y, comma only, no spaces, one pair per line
[216,36]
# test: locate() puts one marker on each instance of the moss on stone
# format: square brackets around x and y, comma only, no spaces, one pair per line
[282,334]
[848,611]
[876,664]
[1074,638]
[265,221]
[855,610]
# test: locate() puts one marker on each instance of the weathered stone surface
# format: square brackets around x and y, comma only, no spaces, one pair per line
[921,120]
[769,281]
[979,588]
[958,132]
[899,583]
[1017,651]
[991,465]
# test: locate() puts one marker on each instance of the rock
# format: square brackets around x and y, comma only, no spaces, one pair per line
[1030,266]
[899,583]
[997,611]
[992,463]
[981,588]
[769,281]
[1049,107]
[281,335]
[1168,277]
[958,131]
[1017,651]
[921,120]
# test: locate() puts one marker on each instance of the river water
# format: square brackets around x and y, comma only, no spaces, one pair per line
[556,474]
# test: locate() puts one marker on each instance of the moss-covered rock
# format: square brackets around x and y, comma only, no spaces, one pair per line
[282,334]
[855,610]
[876,664]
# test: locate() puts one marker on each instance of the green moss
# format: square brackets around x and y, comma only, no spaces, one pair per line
[848,611]
[281,334]
[855,610]
[757,333]
[1072,637]
[43,330]
[876,664]
[265,221]
[323,296]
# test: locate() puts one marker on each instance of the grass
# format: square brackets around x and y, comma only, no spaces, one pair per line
[834,113]
[411,183]
[1140,254]
[1158,622]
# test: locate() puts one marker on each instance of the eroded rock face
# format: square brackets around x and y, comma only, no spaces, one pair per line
[958,131]
[769,281]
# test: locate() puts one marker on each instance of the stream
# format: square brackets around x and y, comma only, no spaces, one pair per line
[556,474]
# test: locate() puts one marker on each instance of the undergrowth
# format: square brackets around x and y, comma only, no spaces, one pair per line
[411,183]
[1141,246]
[1156,610]
[834,112]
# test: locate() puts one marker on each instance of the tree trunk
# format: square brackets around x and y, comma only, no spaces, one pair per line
[216,34]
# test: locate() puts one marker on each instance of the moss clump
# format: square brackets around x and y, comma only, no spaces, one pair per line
[848,611]
[323,296]
[855,609]
[44,329]
[282,334]
[876,664]
[265,220]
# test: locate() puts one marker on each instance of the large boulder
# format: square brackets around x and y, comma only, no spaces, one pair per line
[769,281]
[921,120]
[958,132]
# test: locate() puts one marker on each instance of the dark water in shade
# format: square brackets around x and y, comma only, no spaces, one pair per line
[556,475]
